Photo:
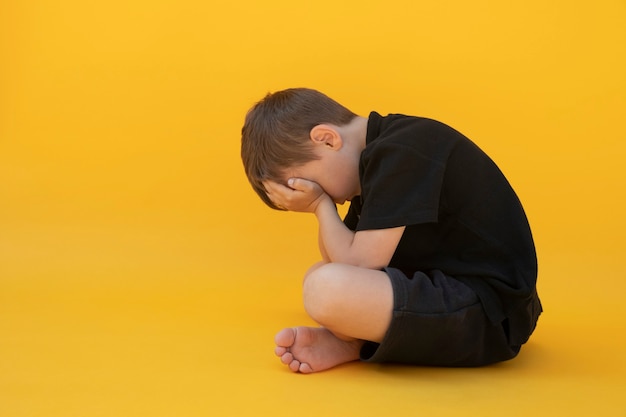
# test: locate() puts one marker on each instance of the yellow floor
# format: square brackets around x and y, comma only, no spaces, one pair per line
[140,276]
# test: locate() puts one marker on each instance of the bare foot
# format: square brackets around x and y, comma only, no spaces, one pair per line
[314,349]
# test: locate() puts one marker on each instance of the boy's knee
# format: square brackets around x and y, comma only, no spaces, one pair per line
[312,270]
[322,293]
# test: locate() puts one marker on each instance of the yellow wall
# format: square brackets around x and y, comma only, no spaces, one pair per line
[140,275]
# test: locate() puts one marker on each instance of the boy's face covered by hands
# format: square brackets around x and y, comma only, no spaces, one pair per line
[335,175]
[299,194]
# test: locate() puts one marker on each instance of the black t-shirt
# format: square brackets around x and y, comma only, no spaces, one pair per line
[461,215]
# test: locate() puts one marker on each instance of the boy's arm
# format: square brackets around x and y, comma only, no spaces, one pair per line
[369,248]
[323,252]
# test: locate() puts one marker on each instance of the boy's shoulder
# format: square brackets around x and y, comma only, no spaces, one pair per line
[396,127]
[393,119]
[409,137]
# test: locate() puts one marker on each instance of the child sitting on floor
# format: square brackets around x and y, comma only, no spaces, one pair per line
[434,263]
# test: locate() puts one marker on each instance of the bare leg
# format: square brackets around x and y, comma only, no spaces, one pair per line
[352,304]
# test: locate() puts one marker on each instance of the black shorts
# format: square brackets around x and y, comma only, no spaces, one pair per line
[438,321]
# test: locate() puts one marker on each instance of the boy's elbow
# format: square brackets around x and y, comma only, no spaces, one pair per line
[370,259]
[373,265]
[362,262]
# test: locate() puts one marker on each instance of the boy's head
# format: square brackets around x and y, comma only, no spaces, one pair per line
[276,133]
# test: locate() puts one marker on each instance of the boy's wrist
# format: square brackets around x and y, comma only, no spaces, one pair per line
[323,204]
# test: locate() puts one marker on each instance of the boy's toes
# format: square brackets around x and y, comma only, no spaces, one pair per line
[294,365]
[280,350]
[287,358]
[305,368]
[285,338]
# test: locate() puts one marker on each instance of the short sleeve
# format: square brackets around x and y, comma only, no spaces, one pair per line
[402,173]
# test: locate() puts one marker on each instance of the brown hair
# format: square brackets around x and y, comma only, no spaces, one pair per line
[275,135]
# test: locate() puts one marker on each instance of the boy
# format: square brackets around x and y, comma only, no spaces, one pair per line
[434,263]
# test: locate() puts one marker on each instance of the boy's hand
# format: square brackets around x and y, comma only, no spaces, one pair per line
[300,195]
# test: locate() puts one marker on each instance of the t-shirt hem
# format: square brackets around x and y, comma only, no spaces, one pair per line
[430,216]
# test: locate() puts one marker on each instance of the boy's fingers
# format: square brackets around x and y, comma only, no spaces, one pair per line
[272,187]
[300,184]
[294,183]
[276,193]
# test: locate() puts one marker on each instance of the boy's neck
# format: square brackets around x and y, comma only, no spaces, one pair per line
[356,132]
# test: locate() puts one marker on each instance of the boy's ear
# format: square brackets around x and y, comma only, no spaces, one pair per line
[326,135]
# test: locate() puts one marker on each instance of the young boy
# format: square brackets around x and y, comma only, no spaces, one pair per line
[434,263]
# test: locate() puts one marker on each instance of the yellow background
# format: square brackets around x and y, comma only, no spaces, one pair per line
[141,276]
